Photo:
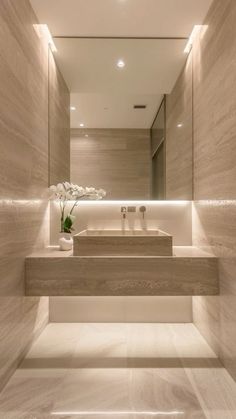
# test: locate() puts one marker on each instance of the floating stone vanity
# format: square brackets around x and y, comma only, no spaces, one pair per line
[190,271]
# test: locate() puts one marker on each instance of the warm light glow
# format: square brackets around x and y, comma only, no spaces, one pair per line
[21,201]
[122,413]
[43,31]
[81,125]
[153,203]
[120,64]
[193,35]
[73,108]
[215,202]
[179,125]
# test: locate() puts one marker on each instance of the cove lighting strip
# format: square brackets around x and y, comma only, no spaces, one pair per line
[43,31]
[215,202]
[21,201]
[124,413]
[195,31]
[152,203]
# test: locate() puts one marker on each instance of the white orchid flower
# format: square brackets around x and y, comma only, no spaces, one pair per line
[67,185]
[80,189]
[52,191]
[67,191]
[101,192]
[53,188]
[68,196]
[60,187]
[89,190]
[92,196]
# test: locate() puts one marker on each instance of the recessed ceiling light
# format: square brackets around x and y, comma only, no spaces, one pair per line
[73,108]
[81,125]
[120,64]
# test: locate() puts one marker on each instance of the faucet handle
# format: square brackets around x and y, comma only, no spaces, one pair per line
[143,209]
[123,211]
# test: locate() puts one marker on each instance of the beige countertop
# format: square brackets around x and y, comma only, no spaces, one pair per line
[178,252]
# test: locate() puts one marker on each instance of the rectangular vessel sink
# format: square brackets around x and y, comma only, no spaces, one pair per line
[122,243]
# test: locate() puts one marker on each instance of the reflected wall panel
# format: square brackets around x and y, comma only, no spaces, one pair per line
[117,160]
[179,122]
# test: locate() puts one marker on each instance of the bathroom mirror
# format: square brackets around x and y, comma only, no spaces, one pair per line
[158,136]
[118,89]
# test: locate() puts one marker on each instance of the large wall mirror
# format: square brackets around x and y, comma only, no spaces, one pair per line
[121,115]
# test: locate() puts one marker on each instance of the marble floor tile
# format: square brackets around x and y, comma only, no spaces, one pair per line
[163,390]
[119,371]
[30,394]
[214,387]
[150,345]
[54,347]
[101,345]
[94,390]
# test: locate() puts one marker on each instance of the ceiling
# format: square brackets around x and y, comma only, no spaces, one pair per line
[172,18]
[90,65]
[113,111]
[103,94]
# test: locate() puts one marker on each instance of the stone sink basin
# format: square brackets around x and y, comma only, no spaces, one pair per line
[122,243]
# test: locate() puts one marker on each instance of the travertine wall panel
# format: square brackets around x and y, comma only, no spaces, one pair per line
[214,227]
[215,104]
[23,176]
[214,217]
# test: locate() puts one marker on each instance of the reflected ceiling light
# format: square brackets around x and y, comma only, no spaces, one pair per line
[86,135]
[193,35]
[43,31]
[81,125]
[73,108]
[120,64]
[179,125]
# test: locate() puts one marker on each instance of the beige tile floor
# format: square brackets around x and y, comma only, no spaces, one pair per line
[120,371]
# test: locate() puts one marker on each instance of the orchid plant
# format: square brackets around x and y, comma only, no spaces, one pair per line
[65,192]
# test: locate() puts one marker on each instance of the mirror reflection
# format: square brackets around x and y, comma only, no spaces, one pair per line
[119,117]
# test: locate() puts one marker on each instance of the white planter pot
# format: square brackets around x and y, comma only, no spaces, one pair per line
[65,241]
